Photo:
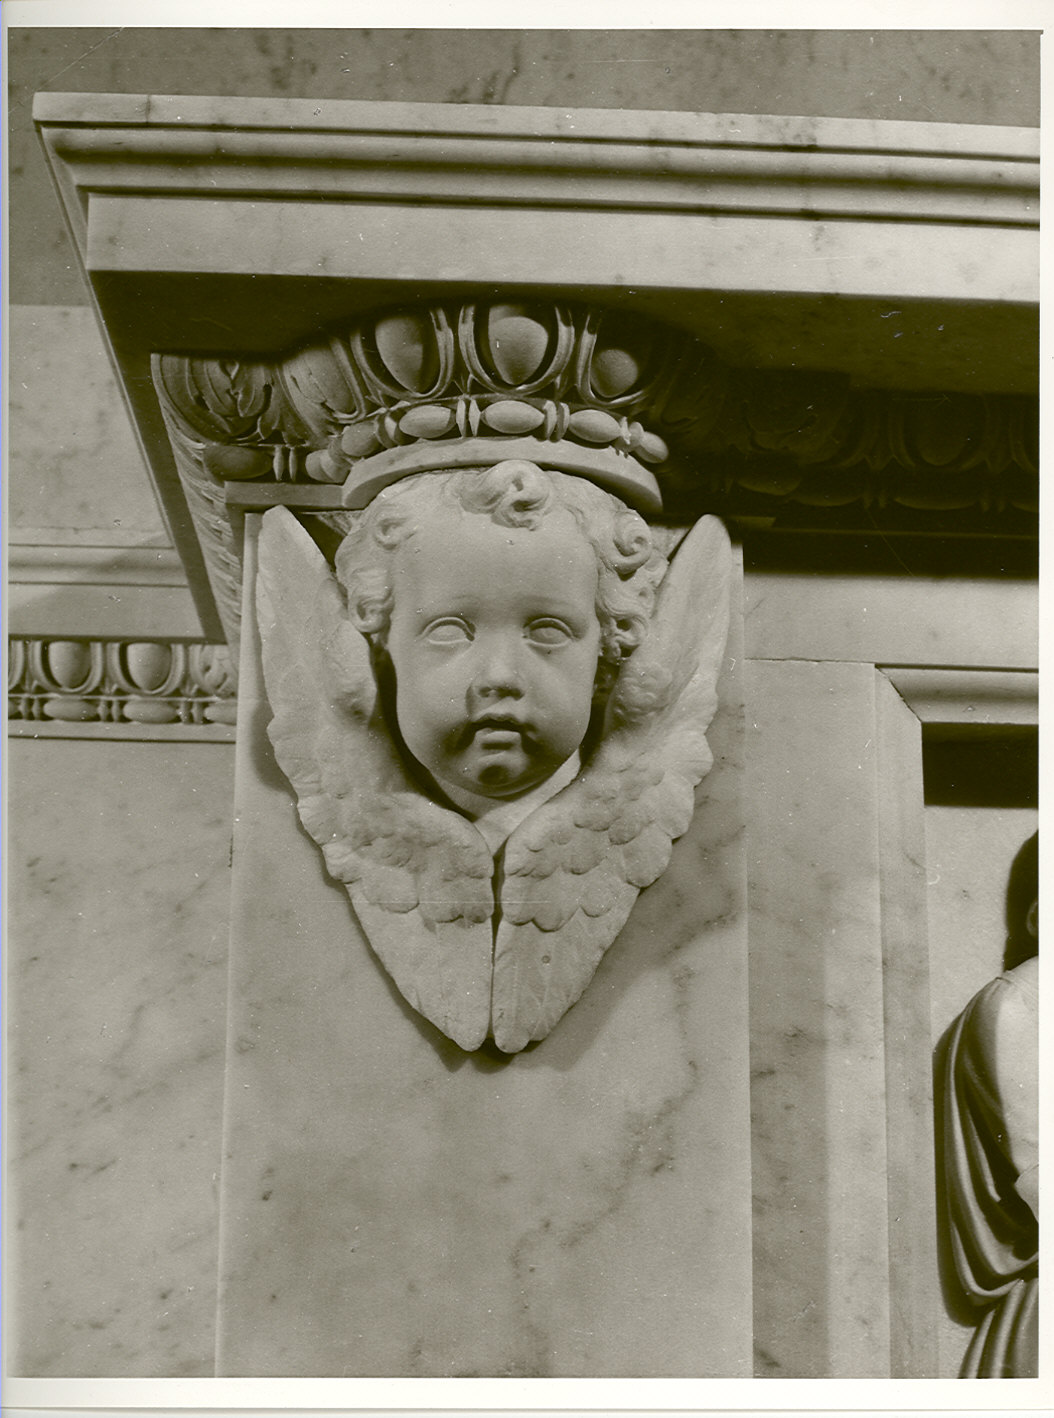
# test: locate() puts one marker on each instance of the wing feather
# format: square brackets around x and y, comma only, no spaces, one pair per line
[420,876]
[573,870]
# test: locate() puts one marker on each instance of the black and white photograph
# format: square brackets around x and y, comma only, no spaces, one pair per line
[522,743]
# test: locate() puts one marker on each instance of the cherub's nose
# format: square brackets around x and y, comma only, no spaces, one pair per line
[497,675]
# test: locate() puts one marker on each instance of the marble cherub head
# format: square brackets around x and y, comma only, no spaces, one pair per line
[502,601]
[493,711]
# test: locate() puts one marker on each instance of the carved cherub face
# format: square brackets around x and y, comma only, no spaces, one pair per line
[505,599]
[494,639]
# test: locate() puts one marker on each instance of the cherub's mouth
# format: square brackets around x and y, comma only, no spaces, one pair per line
[498,731]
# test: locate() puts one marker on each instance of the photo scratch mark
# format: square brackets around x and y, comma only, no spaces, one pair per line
[45,83]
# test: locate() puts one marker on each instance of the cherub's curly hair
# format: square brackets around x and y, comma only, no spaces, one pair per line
[513,494]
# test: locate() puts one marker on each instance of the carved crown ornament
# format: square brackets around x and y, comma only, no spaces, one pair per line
[634,405]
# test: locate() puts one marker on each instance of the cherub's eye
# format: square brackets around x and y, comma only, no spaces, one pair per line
[548,634]
[448,632]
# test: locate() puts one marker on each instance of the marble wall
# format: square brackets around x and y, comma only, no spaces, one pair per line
[955,76]
[90,552]
[969,852]
[118,888]
[118,856]
[119,896]
[75,458]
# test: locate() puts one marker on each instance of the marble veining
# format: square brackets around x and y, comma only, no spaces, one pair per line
[816,793]
[394,1205]
[117,952]
[69,425]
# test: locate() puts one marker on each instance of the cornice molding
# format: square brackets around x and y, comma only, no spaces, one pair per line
[64,564]
[627,158]
[651,206]
[960,697]
[843,270]
[120,689]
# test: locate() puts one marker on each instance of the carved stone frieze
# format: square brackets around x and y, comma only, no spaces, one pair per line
[110,684]
[645,408]
[816,441]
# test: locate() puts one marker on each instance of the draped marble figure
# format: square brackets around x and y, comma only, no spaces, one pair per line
[992,1152]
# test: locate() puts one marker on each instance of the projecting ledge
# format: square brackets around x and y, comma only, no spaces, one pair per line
[963,696]
[779,240]
[873,258]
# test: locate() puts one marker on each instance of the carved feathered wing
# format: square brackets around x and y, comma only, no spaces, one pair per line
[420,876]
[573,870]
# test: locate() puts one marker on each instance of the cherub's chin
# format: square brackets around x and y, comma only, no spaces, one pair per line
[490,785]
[496,780]
[499,767]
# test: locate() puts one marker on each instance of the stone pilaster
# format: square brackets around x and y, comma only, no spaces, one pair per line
[393,1205]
